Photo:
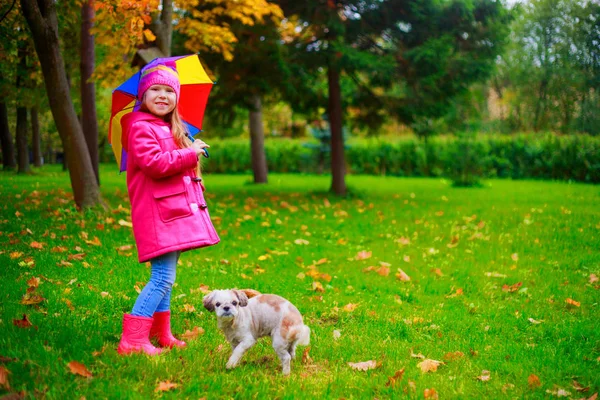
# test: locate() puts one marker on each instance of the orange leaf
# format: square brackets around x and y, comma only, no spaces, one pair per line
[453,355]
[363,255]
[193,334]
[350,307]
[37,245]
[165,386]
[78,368]
[593,278]
[383,271]
[317,287]
[429,365]
[363,366]
[306,357]
[393,379]
[534,381]
[33,282]
[402,276]
[572,302]
[485,376]
[430,394]
[4,377]
[22,323]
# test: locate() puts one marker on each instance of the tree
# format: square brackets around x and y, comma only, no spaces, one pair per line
[6,140]
[89,120]
[43,23]
[22,128]
[256,76]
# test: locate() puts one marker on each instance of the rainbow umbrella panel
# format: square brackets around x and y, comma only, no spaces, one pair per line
[195,88]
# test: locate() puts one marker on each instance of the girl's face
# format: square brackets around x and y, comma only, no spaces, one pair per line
[160,100]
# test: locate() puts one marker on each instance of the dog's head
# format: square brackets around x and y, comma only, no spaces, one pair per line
[225,303]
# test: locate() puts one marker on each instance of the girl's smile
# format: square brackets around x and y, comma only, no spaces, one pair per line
[160,100]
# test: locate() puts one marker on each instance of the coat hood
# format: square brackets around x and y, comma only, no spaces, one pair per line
[136,116]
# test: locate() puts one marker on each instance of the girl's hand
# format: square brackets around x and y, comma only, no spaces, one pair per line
[199,146]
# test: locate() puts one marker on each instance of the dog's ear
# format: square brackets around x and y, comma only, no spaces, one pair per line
[241,297]
[208,301]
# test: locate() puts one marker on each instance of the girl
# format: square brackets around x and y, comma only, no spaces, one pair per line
[168,210]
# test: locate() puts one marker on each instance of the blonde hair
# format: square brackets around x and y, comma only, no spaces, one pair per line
[178,129]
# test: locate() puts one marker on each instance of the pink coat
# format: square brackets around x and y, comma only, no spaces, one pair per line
[168,210]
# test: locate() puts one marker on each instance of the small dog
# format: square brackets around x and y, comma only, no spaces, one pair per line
[244,320]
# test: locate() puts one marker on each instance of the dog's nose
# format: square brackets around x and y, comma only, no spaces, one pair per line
[226,308]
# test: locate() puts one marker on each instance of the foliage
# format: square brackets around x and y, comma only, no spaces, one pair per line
[497,279]
[465,159]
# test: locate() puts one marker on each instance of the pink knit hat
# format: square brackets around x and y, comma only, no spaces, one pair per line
[158,73]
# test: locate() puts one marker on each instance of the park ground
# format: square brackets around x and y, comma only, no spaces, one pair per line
[412,288]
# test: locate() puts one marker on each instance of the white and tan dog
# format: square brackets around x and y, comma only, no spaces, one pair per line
[244,321]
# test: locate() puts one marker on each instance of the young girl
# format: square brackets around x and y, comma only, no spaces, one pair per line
[168,210]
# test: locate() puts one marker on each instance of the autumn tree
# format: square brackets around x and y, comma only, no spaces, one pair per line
[89,120]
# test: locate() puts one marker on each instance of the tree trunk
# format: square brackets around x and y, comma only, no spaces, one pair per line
[257,141]
[22,131]
[89,121]
[42,21]
[6,140]
[164,28]
[36,139]
[22,148]
[338,167]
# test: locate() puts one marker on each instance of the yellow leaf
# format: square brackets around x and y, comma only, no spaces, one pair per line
[363,366]
[350,307]
[165,386]
[193,334]
[429,365]
[189,308]
[78,368]
[515,257]
[317,287]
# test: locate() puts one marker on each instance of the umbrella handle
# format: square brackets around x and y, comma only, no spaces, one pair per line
[205,154]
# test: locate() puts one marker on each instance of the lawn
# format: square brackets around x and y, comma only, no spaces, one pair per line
[502,290]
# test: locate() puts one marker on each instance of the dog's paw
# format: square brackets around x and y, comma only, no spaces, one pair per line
[231,364]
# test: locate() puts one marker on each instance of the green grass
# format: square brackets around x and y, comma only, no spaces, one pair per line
[544,235]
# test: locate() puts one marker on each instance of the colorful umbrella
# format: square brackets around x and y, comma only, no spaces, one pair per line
[195,88]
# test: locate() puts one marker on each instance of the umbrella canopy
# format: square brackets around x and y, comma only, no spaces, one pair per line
[195,88]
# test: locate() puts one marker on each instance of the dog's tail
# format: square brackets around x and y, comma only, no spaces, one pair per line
[304,337]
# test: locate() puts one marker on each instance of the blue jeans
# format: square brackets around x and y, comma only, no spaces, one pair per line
[156,295]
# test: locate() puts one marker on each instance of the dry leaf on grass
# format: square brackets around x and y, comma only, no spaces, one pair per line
[396,378]
[193,334]
[165,386]
[318,287]
[363,366]
[593,278]
[577,386]
[78,368]
[22,323]
[485,376]
[306,357]
[430,394]
[336,334]
[4,377]
[453,355]
[572,302]
[429,365]
[534,381]
[363,255]
[350,307]
[401,275]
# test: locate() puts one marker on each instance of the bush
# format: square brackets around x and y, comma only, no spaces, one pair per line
[464,159]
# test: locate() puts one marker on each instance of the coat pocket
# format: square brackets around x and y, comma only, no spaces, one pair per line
[171,200]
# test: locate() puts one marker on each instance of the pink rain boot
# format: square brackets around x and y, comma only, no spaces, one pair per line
[161,329]
[135,339]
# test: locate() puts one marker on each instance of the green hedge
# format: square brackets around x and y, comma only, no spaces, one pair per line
[463,159]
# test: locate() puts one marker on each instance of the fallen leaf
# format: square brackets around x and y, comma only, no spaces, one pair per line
[193,334]
[514,256]
[406,258]
[593,278]
[453,355]
[535,322]
[396,378]
[37,245]
[593,397]
[317,287]
[413,355]
[301,241]
[512,288]
[336,334]
[534,381]
[401,275]
[165,386]
[189,308]
[350,307]
[572,302]
[403,241]
[122,222]
[459,292]
[78,368]
[577,386]
[495,275]
[22,323]
[383,271]
[32,299]
[363,366]
[430,394]
[485,376]
[306,357]
[4,377]
[429,365]
[33,282]
[363,255]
